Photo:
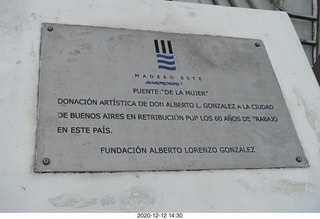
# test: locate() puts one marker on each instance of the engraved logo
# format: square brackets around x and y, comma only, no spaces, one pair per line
[164,54]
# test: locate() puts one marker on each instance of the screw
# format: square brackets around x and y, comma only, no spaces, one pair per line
[299,159]
[50,28]
[257,44]
[46,161]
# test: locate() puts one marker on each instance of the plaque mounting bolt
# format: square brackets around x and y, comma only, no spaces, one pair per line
[257,44]
[46,161]
[299,159]
[50,28]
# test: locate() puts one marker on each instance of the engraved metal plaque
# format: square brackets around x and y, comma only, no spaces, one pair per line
[128,100]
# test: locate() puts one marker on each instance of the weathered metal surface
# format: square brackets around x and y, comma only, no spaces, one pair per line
[127,100]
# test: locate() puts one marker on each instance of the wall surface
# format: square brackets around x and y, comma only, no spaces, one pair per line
[304,28]
[244,190]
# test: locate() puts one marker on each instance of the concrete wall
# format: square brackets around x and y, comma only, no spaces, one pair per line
[303,28]
[254,190]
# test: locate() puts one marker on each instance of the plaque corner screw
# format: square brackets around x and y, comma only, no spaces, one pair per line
[50,28]
[299,159]
[257,44]
[46,161]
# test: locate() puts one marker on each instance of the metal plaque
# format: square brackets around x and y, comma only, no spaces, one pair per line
[129,100]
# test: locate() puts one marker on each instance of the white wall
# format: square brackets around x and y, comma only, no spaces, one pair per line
[261,190]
